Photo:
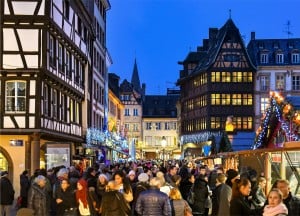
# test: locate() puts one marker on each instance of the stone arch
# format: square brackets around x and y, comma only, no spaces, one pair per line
[10,167]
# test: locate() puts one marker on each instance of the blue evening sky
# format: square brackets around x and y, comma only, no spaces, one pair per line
[159,33]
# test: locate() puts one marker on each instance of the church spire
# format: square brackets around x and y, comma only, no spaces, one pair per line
[135,79]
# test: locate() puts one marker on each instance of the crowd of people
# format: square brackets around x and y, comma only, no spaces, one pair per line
[146,189]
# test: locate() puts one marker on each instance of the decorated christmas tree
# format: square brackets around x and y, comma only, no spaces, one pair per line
[279,123]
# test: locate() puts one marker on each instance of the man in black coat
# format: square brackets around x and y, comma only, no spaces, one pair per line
[7,194]
[153,201]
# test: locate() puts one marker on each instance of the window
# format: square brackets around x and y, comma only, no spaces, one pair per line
[60,57]
[226,77]
[54,104]
[62,107]
[215,122]
[296,82]
[158,126]
[135,112]
[15,96]
[46,100]
[237,77]
[68,64]
[264,83]
[247,99]
[135,127]
[236,99]
[280,82]
[264,58]
[52,51]
[127,112]
[215,77]
[167,126]
[225,99]
[148,125]
[264,103]
[67,9]
[279,58]
[215,99]
[295,58]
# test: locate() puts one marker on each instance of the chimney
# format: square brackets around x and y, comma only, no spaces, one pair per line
[213,33]
[252,35]
[205,44]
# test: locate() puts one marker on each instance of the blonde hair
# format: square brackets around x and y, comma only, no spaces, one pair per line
[175,194]
[278,192]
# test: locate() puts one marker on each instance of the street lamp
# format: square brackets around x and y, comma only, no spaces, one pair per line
[163,145]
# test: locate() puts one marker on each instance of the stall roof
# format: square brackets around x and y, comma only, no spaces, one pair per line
[294,100]
[242,141]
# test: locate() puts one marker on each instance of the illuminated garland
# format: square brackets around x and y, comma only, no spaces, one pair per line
[199,137]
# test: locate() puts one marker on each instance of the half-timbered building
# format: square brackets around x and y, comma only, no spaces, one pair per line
[45,67]
[216,85]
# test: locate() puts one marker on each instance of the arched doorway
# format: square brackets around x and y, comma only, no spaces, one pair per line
[6,162]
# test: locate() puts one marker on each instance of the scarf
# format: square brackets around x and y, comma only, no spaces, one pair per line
[273,211]
[82,194]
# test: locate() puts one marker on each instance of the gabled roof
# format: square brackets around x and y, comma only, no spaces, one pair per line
[216,44]
[126,87]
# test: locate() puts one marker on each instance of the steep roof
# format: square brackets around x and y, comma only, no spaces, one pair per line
[215,45]
[271,46]
[159,106]
[135,79]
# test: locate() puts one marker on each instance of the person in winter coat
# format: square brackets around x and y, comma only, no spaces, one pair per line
[37,197]
[258,193]
[292,202]
[221,197]
[84,201]
[239,204]
[25,185]
[200,190]
[113,202]
[7,193]
[275,207]
[65,199]
[178,205]
[153,201]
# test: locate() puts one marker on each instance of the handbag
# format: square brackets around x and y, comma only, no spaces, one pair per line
[191,196]
[187,210]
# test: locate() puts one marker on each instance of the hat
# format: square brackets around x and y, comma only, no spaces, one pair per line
[143,177]
[131,172]
[231,174]
[4,173]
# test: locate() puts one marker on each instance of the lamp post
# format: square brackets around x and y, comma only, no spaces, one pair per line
[163,145]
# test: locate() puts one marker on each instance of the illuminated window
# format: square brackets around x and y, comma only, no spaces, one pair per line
[215,122]
[236,99]
[247,99]
[226,77]
[215,77]
[237,77]
[247,76]
[264,103]
[225,99]
[280,82]
[215,99]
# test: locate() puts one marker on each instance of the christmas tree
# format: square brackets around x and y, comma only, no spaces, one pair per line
[278,123]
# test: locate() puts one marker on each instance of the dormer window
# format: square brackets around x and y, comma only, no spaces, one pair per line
[279,58]
[295,58]
[264,58]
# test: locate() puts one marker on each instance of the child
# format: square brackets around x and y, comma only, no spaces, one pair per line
[275,206]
